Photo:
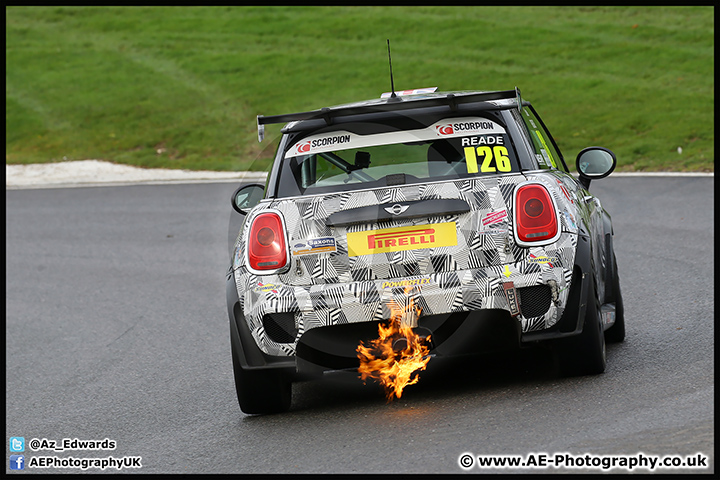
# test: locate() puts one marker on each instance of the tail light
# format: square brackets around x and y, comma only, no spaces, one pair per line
[266,246]
[535,215]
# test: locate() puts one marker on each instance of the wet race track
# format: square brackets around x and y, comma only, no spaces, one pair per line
[117,329]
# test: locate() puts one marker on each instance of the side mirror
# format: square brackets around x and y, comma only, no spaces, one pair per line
[594,163]
[246,197]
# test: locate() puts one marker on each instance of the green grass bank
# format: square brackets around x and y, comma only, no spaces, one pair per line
[180,87]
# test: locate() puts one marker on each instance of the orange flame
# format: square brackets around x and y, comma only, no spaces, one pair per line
[395,367]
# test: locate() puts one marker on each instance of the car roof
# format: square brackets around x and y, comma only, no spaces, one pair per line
[436,95]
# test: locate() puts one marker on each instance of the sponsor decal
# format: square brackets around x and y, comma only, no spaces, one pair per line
[266,287]
[467,126]
[549,160]
[309,146]
[494,217]
[303,147]
[512,298]
[609,317]
[446,128]
[406,283]
[571,220]
[506,271]
[333,140]
[541,259]
[493,231]
[237,258]
[564,190]
[403,238]
[314,245]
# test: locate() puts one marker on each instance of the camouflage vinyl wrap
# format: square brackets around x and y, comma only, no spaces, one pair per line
[333,288]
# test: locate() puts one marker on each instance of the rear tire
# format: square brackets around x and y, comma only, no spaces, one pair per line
[584,354]
[616,333]
[261,391]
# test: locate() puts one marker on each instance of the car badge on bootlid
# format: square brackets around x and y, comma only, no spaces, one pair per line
[396,209]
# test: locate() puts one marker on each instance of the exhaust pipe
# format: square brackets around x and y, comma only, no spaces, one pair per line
[401,343]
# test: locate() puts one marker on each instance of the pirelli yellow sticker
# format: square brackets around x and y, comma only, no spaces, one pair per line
[402,238]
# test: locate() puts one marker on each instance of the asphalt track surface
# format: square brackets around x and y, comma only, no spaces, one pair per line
[117,329]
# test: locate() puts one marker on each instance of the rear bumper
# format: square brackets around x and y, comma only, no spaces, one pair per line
[572,320]
[248,354]
[334,346]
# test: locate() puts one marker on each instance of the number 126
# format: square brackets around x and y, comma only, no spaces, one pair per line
[502,162]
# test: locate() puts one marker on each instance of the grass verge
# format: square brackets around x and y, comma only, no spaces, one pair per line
[179,87]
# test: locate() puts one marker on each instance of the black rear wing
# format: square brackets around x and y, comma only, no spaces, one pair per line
[391,105]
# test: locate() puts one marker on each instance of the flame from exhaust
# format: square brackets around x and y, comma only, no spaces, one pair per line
[395,368]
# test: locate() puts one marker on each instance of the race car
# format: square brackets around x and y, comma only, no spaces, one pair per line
[459,201]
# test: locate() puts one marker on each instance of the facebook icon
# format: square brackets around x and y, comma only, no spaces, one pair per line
[17,462]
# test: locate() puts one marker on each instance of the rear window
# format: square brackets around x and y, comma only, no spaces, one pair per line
[449,149]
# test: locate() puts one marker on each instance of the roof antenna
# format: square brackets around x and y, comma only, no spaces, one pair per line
[393,95]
